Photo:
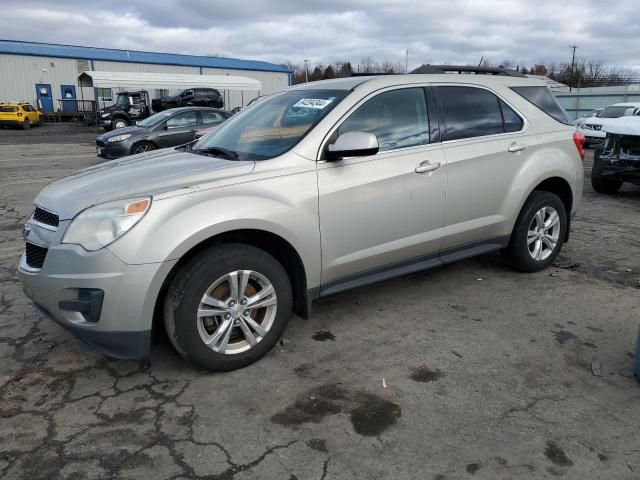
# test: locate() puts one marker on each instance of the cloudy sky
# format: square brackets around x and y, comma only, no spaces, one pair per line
[434,31]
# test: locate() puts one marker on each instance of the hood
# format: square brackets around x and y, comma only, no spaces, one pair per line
[623,126]
[151,173]
[134,130]
[111,109]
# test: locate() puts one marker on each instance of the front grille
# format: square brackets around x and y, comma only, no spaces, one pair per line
[48,218]
[35,255]
[100,143]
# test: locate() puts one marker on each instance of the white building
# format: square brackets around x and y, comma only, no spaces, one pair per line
[44,73]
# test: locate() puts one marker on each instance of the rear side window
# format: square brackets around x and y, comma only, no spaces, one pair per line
[210,117]
[397,117]
[469,112]
[542,98]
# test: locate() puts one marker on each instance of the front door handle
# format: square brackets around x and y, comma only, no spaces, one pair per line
[517,147]
[425,167]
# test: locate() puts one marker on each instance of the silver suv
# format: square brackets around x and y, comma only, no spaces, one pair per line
[324,187]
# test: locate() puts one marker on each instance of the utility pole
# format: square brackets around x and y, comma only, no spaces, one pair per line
[573,62]
[406,62]
[306,71]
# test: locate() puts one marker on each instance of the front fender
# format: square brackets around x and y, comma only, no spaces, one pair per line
[282,206]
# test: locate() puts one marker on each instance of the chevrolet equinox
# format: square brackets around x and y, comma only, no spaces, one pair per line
[324,187]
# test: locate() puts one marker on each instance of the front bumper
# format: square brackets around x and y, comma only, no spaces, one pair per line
[593,136]
[129,293]
[113,150]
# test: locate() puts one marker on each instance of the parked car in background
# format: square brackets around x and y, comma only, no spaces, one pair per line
[594,128]
[251,102]
[170,128]
[324,187]
[197,97]
[586,116]
[129,108]
[21,115]
[618,160]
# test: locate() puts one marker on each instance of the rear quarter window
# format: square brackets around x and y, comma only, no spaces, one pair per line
[542,98]
[8,109]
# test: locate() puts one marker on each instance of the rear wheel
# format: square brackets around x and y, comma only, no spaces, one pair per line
[538,234]
[228,306]
[142,147]
[25,124]
[602,184]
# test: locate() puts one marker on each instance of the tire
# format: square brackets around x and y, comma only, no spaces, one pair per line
[206,276]
[119,123]
[142,147]
[522,252]
[599,183]
[25,124]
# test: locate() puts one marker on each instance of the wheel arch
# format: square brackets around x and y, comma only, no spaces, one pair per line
[144,140]
[274,244]
[560,187]
[120,116]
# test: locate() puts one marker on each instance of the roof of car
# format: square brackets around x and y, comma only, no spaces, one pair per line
[626,104]
[381,81]
[181,109]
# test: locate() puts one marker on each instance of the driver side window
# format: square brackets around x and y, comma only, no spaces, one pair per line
[397,117]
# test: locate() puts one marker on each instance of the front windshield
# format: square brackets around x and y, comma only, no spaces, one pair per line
[613,111]
[273,125]
[122,101]
[154,119]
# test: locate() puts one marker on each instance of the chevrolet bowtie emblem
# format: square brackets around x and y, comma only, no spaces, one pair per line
[26,230]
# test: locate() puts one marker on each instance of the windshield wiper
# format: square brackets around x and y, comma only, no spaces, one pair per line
[217,152]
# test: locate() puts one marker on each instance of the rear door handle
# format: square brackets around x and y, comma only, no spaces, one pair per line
[426,166]
[517,147]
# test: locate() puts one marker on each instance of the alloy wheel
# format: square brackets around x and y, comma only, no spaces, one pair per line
[236,312]
[143,148]
[543,233]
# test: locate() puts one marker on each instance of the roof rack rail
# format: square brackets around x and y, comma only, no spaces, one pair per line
[434,69]
[372,74]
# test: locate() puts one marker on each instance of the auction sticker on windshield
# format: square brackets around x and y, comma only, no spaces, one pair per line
[317,103]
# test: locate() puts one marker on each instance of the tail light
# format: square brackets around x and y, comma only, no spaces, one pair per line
[19,114]
[578,139]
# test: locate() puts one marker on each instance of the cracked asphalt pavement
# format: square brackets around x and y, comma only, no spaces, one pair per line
[467,371]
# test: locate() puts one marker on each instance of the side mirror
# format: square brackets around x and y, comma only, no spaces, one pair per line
[353,144]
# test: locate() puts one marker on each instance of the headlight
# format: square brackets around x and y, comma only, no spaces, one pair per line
[118,138]
[98,226]
[105,115]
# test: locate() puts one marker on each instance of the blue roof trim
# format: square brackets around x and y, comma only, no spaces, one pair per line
[15,47]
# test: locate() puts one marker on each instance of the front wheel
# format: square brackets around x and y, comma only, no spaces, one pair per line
[538,234]
[119,123]
[25,124]
[142,147]
[228,306]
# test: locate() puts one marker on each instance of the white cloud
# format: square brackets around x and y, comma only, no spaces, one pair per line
[453,31]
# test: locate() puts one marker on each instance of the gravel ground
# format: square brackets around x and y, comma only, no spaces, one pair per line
[466,371]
